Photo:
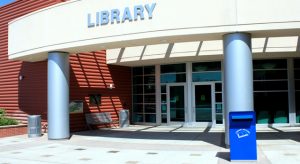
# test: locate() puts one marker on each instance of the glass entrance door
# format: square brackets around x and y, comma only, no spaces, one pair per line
[203,104]
[176,103]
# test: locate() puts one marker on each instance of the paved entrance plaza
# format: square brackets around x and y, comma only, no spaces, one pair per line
[147,144]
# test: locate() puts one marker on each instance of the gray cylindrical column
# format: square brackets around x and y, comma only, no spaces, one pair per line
[238,75]
[58,95]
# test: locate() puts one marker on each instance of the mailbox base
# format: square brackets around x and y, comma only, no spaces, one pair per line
[242,133]
[244,160]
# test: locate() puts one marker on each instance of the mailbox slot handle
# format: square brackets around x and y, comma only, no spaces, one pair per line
[242,117]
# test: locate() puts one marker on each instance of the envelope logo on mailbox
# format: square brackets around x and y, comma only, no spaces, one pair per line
[241,133]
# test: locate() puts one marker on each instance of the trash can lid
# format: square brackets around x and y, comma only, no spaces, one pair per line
[34,115]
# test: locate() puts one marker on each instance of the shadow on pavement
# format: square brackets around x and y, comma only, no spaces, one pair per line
[215,138]
[278,136]
[224,155]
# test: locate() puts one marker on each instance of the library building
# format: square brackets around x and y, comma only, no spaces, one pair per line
[166,62]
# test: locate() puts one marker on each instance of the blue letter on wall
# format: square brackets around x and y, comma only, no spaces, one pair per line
[138,11]
[126,15]
[150,9]
[115,15]
[104,17]
[89,21]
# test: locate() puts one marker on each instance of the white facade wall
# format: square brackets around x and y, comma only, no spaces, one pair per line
[64,27]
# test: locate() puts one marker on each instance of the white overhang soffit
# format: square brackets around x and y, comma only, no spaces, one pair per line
[185,50]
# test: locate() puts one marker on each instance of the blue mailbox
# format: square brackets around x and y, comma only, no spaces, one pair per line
[242,132]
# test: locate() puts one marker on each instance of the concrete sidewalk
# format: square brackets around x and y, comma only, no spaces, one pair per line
[146,144]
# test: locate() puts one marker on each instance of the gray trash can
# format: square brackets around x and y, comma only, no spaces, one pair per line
[34,126]
[123,118]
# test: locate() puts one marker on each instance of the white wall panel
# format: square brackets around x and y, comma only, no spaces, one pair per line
[64,27]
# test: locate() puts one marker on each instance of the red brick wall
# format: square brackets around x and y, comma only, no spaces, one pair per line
[10,92]
[12,131]
[89,74]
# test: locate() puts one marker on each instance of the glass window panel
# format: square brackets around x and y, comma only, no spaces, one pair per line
[296,63]
[150,108]
[180,78]
[149,70]
[207,76]
[137,71]
[270,85]
[219,113]
[138,80]
[203,103]
[164,118]
[218,87]
[219,108]
[163,108]
[297,84]
[149,89]
[150,118]
[298,107]
[138,118]
[149,98]
[208,66]
[297,87]
[271,107]
[163,98]
[219,97]
[143,93]
[138,108]
[94,99]
[270,64]
[269,74]
[219,119]
[137,98]
[172,78]
[138,89]
[177,103]
[297,74]
[172,68]
[163,89]
[149,79]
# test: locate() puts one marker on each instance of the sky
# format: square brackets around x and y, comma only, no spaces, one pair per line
[4,2]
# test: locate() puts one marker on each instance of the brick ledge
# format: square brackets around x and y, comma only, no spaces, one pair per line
[13,126]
